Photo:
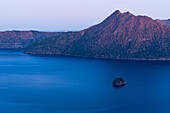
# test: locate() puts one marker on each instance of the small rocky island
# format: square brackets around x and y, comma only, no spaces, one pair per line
[118,82]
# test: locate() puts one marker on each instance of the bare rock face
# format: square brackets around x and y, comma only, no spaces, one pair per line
[120,36]
[22,39]
[118,82]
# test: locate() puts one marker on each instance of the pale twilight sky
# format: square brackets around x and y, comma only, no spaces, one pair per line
[61,15]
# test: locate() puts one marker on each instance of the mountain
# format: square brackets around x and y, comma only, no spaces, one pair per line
[120,36]
[164,22]
[21,39]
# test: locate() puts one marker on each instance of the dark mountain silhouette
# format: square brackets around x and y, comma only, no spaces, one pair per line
[120,36]
[21,39]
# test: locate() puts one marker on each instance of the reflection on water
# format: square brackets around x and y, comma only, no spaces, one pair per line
[31,84]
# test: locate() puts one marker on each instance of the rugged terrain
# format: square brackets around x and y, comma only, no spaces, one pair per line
[21,39]
[120,36]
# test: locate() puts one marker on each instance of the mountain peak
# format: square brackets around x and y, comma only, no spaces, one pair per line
[117,11]
[127,12]
[120,36]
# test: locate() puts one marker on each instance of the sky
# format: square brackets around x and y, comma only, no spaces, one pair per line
[72,15]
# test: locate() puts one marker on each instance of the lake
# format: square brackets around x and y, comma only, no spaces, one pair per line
[48,84]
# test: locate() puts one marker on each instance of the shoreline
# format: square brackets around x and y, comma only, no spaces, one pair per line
[130,59]
[59,55]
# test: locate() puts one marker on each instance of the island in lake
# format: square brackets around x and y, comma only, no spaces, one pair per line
[35,77]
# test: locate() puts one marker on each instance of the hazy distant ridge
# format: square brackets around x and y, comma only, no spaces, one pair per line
[21,39]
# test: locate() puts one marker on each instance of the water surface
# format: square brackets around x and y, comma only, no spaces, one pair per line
[34,84]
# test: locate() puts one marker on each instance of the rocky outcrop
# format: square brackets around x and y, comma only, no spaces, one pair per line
[118,82]
[22,39]
[120,36]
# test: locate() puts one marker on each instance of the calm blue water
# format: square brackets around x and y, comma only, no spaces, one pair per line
[31,84]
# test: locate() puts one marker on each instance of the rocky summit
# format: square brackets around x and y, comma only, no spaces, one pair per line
[120,36]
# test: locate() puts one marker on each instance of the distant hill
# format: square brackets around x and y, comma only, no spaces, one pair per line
[164,22]
[21,39]
[120,36]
